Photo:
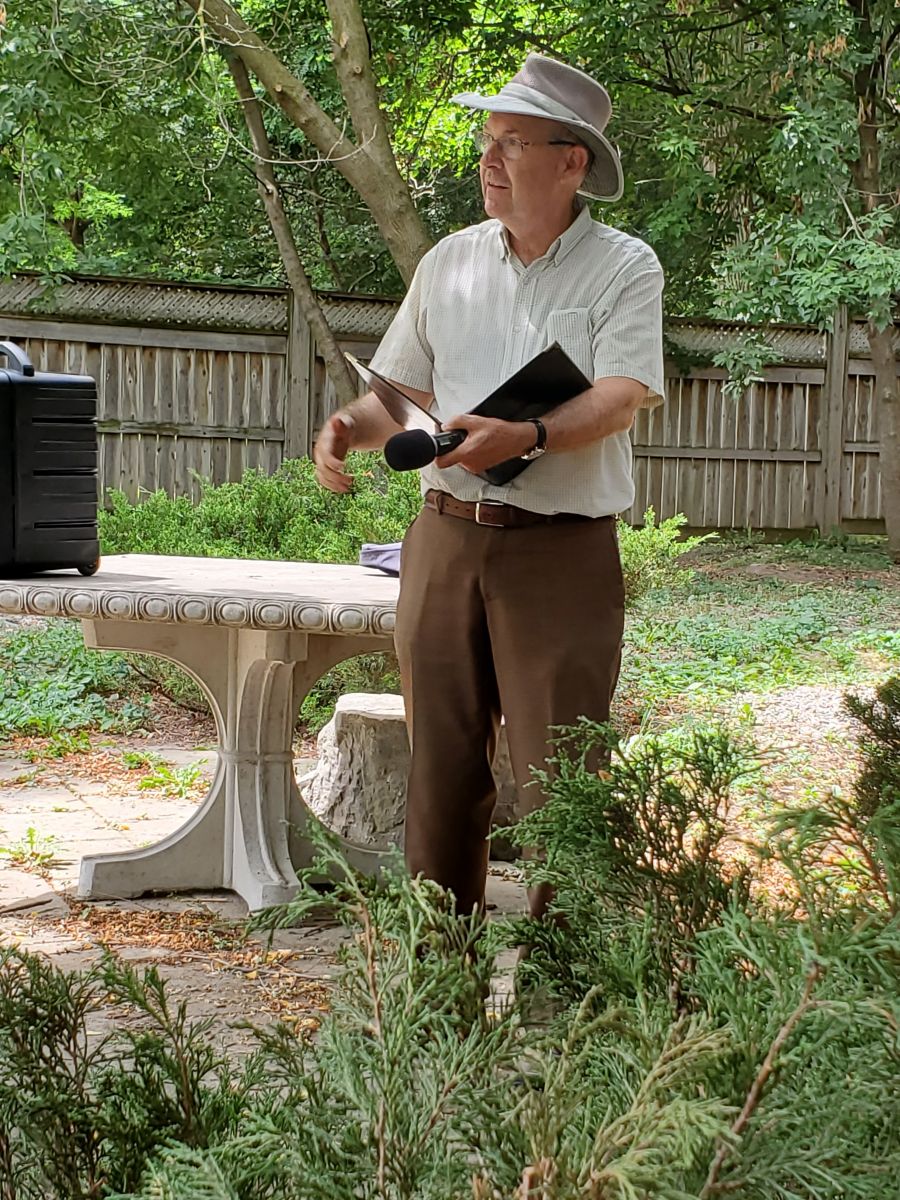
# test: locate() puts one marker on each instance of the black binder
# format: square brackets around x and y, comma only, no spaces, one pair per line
[544,383]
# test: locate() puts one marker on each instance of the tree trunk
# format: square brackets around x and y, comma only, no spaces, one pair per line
[369,167]
[887,401]
[868,83]
[335,363]
[350,47]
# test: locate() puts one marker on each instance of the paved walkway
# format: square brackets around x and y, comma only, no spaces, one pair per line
[90,804]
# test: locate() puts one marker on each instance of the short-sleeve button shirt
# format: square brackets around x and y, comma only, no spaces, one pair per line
[474,314]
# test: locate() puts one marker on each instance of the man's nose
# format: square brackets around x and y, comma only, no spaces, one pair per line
[490,155]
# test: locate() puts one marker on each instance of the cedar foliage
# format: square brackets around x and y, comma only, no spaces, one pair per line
[704,1045]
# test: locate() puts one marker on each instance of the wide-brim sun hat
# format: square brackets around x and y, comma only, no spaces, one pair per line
[557,92]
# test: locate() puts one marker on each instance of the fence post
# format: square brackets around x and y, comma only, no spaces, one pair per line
[298,395]
[837,351]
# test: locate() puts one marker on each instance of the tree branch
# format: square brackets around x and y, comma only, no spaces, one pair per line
[762,1077]
[288,92]
[673,89]
[318,205]
[883,103]
[335,363]
[369,168]
[350,51]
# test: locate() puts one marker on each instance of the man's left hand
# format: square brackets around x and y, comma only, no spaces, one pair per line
[488,442]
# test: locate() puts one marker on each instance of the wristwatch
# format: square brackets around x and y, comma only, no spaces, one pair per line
[540,446]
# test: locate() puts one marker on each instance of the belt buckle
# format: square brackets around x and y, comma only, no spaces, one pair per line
[480,504]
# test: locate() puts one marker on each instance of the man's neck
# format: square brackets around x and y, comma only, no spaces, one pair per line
[532,241]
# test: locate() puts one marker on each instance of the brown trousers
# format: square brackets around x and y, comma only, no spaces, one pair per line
[524,622]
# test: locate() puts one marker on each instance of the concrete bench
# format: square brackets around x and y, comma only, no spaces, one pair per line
[256,636]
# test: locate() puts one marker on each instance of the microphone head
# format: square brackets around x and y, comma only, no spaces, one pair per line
[410,450]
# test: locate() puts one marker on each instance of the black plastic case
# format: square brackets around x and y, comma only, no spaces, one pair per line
[48,469]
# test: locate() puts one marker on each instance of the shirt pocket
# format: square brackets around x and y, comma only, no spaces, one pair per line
[571,327]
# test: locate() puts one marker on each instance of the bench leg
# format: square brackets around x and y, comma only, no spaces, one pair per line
[249,833]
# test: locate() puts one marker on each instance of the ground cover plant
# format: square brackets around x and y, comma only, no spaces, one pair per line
[760,618]
[52,686]
[706,1044]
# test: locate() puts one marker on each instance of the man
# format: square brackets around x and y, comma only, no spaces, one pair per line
[511,598]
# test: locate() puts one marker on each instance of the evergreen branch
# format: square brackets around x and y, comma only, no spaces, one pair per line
[378,1033]
[857,840]
[762,1077]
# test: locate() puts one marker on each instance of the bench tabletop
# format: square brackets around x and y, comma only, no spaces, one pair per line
[324,598]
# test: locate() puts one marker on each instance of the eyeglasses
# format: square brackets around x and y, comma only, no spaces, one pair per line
[510,148]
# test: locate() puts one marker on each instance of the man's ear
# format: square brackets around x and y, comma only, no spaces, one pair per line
[578,160]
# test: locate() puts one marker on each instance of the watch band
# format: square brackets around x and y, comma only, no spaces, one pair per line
[540,446]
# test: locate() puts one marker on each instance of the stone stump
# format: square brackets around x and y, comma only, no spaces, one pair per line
[358,786]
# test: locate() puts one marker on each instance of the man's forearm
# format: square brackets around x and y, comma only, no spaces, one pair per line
[606,408]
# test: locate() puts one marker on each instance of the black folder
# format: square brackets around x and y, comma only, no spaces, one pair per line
[545,382]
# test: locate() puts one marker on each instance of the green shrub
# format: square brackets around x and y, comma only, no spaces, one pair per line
[653,916]
[878,785]
[634,855]
[158,525]
[709,1047]
[650,552]
[286,515]
[82,1115]
[845,850]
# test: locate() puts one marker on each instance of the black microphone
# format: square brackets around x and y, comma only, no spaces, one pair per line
[416,448]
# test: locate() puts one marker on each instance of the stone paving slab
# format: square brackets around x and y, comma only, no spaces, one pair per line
[85,816]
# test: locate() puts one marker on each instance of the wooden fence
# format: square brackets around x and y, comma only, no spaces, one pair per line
[205,382]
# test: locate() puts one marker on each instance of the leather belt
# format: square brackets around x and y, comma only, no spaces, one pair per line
[495,514]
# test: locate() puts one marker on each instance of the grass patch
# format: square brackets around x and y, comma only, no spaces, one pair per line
[724,633]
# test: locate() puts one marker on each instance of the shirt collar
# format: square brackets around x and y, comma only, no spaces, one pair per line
[558,249]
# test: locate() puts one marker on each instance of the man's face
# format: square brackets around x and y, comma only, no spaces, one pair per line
[516,189]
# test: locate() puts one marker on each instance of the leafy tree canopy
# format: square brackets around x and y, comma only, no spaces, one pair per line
[739,125]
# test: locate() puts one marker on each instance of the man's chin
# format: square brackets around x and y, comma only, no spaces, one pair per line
[495,202]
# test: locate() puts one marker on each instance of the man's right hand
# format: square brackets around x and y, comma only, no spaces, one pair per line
[331,449]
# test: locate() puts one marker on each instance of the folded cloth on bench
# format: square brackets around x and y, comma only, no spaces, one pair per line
[384,558]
